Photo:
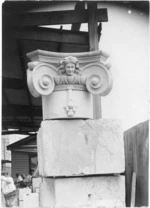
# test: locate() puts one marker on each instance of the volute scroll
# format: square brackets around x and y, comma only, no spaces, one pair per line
[41,79]
[99,79]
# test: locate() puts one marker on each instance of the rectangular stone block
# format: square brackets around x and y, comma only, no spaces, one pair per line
[80,147]
[31,200]
[22,192]
[36,184]
[93,192]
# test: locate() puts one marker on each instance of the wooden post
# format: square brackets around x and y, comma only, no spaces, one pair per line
[136,160]
[133,190]
[93,45]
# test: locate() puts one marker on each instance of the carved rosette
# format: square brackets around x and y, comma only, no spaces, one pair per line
[52,74]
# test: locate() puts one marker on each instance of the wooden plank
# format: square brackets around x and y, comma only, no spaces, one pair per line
[142,165]
[128,166]
[19,110]
[22,125]
[26,140]
[73,48]
[23,68]
[15,132]
[92,26]
[4,116]
[47,34]
[53,18]
[5,97]
[16,96]
[10,59]
[25,129]
[36,6]
[80,7]
[136,156]
[12,83]
[25,126]
[133,190]
[93,45]
[30,45]
[26,150]
[134,148]
[99,31]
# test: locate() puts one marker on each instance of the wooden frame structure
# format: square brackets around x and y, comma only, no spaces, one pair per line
[24,31]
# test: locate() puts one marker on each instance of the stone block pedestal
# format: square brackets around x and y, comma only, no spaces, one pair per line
[80,147]
[73,153]
[93,192]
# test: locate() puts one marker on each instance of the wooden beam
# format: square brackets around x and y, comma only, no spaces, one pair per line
[46,34]
[12,83]
[25,150]
[19,110]
[93,44]
[53,18]
[93,27]
[36,6]
[80,7]
[4,96]
[28,146]
[99,31]
[23,67]
[27,126]
[31,45]
[6,132]
[4,111]
[133,190]
[25,129]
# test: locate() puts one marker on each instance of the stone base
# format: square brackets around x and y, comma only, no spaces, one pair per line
[84,192]
[78,147]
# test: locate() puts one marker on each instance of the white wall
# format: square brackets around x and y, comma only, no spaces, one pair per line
[125,38]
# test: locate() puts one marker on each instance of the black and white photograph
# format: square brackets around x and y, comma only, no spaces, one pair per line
[74,104]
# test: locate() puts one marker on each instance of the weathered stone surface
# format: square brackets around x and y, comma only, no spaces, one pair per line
[23,191]
[47,193]
[78,147]
[84,192]
[66,81]
[31,200]
[55,106]
[36,184]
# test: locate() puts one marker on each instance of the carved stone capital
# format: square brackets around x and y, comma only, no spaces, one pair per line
[90,69]
[73,75]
